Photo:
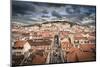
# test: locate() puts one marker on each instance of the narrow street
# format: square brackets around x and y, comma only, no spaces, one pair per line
[56,55]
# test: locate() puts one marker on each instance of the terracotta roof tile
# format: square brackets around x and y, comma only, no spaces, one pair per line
[20,43]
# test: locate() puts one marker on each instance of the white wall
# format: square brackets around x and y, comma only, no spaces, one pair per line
[26,47]
[5,33]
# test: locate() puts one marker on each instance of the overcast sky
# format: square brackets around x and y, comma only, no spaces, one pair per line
[27,12]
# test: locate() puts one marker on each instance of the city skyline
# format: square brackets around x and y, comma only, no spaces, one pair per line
[52,33]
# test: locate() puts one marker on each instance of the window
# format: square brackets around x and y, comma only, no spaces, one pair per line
[76,41]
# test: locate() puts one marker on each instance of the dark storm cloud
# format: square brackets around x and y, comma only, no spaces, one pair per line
[22,8]
[80,10]
[55,5]
[35,11]
[56,14]
[73,9]
[88,10]
[45,11]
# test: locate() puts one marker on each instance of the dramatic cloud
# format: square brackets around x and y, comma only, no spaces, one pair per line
[22,8]
[28,12]
[45,12]
[56,14]
[73,9]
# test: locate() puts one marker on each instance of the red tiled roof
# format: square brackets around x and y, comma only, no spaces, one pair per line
[78,38]
[86,56]
[42,42]
[87,47]
[78,35]
[91,38]
[20,43]
[92,34]
[72,57]
[76,54]
[39,59]
[72,49]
